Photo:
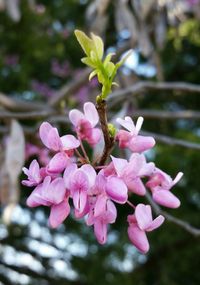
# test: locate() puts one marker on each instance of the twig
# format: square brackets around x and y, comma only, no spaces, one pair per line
[167,115]
[183,224]
[108,140]
[27,115]
[141,86]
[172,141]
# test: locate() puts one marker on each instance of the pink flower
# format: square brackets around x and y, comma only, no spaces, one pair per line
[160,184]
[102,213]
[79,182]
[63,145]
[85,123]
[131,172]
[33,174]
[130,139]
[52,194]
[140,223]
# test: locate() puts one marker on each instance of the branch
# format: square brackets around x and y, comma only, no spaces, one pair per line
[141,86]
[172,141]
[27,115]
[183,224]
[169,115]
[108,140]
[19,105]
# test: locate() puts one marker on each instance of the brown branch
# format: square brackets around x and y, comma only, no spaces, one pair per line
[19,105]
[167,115]
[183,224]
[141,86]
[27,115]
[108,140]
[172,141]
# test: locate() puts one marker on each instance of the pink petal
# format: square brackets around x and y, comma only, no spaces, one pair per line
[55,193]
[44,130]
[117,190]
[143,216]
[34,170]
[75,116]
[166,198]
[94,137]
[79,200]
[100,206]
[136,186]
[79,182]
[58,163]
[127,123]
[36,199]
[69,142]
[68,174]
[138,238]
[119,165]
[111,213]
[100,231]
[141,143]
[54,140]
[59,213]
[156,223]
[91,113]
[90,172]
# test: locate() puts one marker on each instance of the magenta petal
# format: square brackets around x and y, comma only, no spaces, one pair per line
[44,130]
[138,238]
[91,113]
[156,223]
[100,231]
[136,186]
[58,163]
[59,213]
[117,190]
[166,198]
[143,216]
[141,143]
[79,182]
[69,142]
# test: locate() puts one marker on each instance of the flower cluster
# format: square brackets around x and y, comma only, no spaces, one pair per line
[93,190]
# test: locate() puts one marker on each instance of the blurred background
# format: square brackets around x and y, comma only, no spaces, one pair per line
[42,77]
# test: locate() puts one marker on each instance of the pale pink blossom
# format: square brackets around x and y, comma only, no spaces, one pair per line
[85,123]
[130,138]
[140,223]
[131,172]
[160,184]
[52,194]
[33,174]
[62,145]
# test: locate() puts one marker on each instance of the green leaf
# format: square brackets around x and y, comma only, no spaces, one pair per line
[99,46]
[92,74]
[88,61]
[110,67]
[85,42]
[108,58]
[124,58]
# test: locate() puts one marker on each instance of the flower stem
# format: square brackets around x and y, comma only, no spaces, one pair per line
[108,139]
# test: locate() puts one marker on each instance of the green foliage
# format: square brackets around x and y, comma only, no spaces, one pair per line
[105,70]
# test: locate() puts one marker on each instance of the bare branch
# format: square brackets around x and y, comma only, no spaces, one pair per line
[183,224]
[141,86]
[27,115]
[19,105]
[172,141]
[167,115]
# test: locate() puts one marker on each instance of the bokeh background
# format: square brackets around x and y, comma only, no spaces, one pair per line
[40,63]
